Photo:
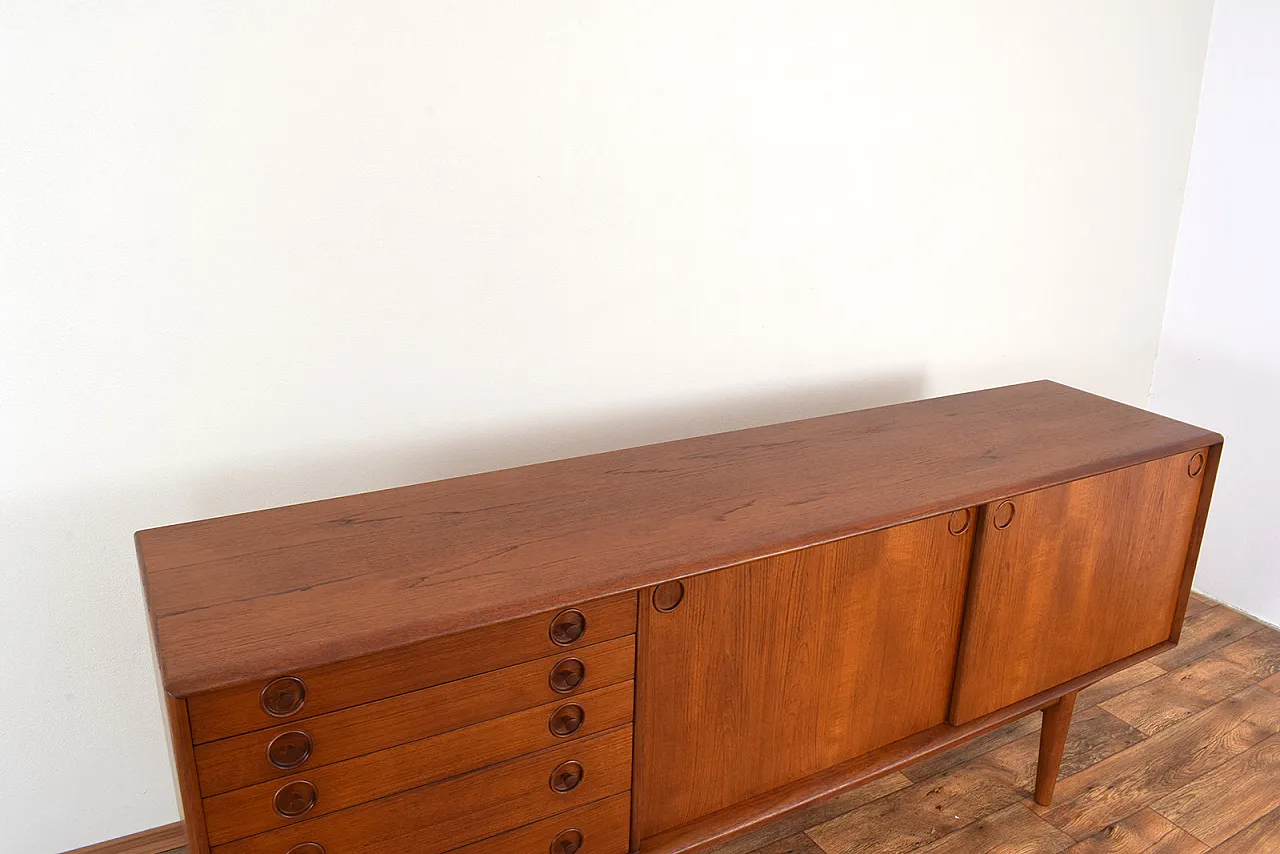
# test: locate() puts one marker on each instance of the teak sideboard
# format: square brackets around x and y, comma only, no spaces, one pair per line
[659,648]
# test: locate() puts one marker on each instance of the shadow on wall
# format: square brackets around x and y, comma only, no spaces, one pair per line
[486,447]
[79,665]
[1241,400]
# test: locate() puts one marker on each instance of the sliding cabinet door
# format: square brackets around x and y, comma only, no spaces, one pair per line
[758,675]
[1068,579]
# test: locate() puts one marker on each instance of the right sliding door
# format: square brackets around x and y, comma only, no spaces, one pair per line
[1074,577]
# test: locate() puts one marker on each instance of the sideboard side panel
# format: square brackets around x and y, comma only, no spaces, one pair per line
[1210,476]
[772,670]
[1081,575]
[188,782]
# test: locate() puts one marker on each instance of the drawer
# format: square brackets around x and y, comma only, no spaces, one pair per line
[243,760]
[443,816]
[328,789]
[307,693]
[600,828]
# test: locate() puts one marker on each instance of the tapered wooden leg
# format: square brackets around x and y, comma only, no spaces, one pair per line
[1053,738]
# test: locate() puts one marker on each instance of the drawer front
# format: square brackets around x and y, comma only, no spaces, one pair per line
[307,693]
[600,828]
[244,760]
[320,791]
[462,810]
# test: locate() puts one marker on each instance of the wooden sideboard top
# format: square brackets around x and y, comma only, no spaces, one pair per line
[257,594]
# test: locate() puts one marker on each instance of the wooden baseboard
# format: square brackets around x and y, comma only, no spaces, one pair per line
[157,840]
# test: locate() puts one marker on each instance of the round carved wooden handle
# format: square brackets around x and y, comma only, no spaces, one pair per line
[567,720]
[668,595]
[567,776]
[284,696]
[289,749]
[306,848]
[1003,515]
[568,626]
[566,675]
[295,799]
[1195,465]
[567,842]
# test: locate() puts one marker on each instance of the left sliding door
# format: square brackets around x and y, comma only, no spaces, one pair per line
[758,675]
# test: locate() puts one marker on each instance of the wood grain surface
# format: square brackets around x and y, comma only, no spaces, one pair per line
[1165,762]
[936,805]
[232,763]
[158,840]
[603,824]
[184,762]
[773,670]
[716,829]
[243,597]
[461,810]
[1261,835]
[1143,832]
[1221,772]
[244,812]
[341,684]
[1056,721]
[1171,697]
[1084,574]
[1210,807]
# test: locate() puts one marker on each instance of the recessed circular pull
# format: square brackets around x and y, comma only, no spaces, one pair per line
[289,749]
[566,777]
[568,842]
[568,626]
[284,696]
[567,720]
[1003,517]
[306,848]
[958,522]
[668,595]
[295,799]
[566,675]
[1196,464]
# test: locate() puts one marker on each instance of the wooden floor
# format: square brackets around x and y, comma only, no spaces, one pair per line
[1177,755]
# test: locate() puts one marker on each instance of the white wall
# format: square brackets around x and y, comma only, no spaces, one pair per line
[1219,362]
[256,253]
